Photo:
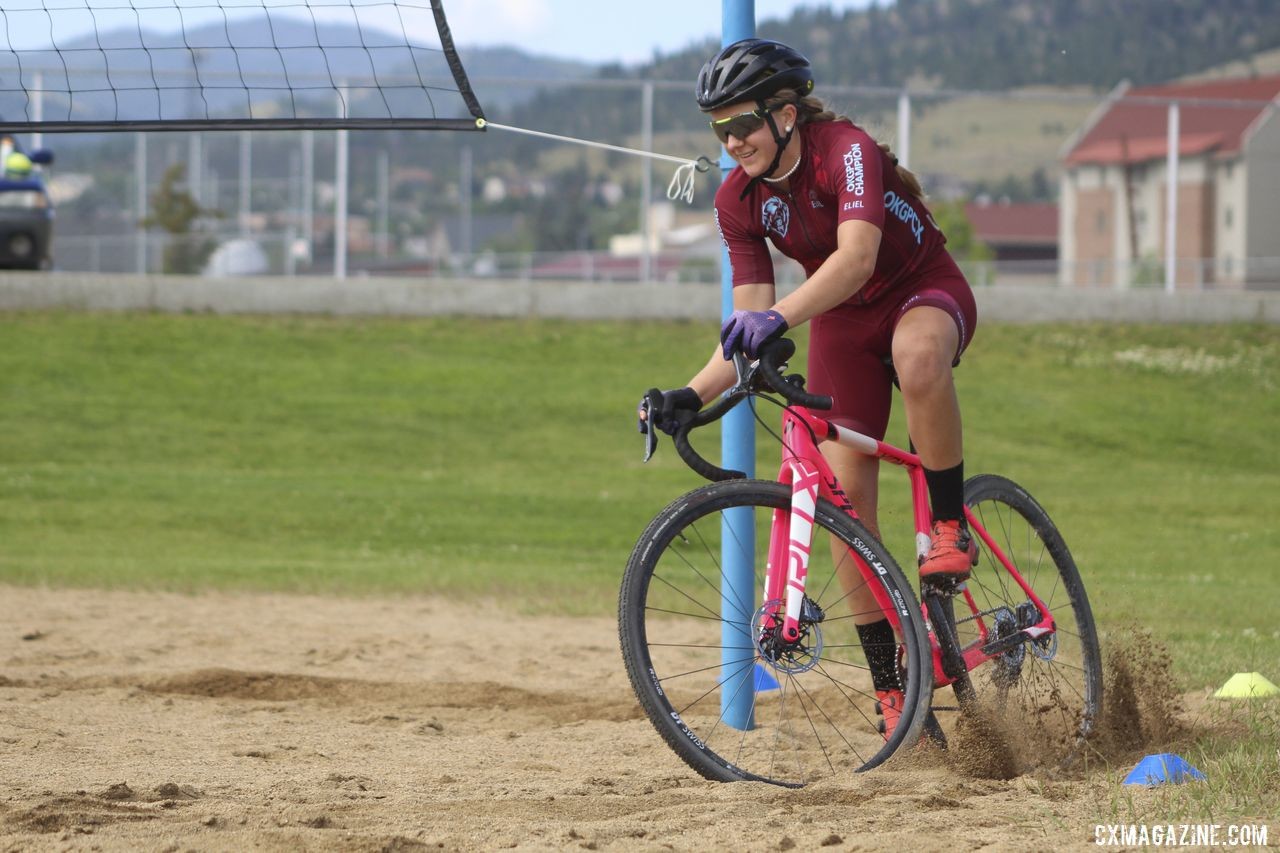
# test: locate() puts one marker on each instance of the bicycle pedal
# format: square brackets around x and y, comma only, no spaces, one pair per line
[880,726]
[942,585]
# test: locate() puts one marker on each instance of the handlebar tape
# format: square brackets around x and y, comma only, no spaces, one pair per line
[778,352]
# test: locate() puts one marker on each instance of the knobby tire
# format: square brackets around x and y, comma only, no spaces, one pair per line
[818,721]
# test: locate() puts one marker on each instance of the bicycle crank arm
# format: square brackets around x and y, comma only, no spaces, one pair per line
[952,660]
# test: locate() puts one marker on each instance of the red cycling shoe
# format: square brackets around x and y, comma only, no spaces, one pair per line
[952,555]
[889,705]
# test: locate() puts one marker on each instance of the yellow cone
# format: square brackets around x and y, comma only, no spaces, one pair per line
[1246,685]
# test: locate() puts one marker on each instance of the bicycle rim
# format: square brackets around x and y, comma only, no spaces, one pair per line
[1046,693]
[811,714]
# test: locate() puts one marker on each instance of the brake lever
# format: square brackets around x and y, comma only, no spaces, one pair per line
[651,431]
[749,373]
[744,370]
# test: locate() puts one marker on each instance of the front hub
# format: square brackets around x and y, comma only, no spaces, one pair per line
[793,656]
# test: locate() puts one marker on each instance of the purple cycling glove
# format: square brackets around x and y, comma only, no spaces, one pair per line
[749,331]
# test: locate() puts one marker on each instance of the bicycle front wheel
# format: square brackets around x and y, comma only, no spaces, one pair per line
[1049,689]
[727,702]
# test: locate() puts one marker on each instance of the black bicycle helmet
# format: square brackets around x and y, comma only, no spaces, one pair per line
[752,70]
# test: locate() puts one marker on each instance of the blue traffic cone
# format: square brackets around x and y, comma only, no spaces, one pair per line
[763,681]
[1161,768]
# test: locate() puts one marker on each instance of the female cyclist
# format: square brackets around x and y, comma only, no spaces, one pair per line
[880,284]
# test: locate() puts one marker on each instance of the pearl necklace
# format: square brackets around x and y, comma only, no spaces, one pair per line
[790,172]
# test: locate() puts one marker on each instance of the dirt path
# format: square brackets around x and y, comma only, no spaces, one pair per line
[232,722]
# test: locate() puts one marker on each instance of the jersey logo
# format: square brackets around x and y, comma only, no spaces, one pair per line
[901,208]
[854,172]
[814,202]
[776,216]
[719,230]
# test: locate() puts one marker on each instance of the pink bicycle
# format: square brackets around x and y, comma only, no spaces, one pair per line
[767,680]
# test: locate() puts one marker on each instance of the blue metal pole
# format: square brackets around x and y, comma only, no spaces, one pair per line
[737,451]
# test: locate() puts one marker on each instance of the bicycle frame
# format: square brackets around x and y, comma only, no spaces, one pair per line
[807,472]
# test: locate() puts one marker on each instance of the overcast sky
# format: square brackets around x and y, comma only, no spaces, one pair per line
[604,31]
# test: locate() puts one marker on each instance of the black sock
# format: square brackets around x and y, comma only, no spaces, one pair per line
[946,493]
[881,648]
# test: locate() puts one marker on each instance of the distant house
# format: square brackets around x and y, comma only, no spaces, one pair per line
[1113,188]
[1016,231]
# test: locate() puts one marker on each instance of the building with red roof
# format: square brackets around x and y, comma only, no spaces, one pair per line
[1112,228]
[1016,231]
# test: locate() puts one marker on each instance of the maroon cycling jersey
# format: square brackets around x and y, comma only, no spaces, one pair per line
[843,175]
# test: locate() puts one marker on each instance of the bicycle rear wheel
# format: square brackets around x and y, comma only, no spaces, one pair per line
[811,712]
[1047,692]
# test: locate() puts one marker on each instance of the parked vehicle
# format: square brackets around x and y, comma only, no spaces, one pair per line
[26,211]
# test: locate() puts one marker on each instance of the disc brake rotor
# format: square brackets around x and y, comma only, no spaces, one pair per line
[1008,665]
[800,655]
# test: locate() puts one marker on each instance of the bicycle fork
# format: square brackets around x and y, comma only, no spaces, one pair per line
[792,550]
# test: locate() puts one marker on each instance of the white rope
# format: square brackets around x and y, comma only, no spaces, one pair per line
[681,186]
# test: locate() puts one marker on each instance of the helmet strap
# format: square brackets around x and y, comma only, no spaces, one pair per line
[782,141]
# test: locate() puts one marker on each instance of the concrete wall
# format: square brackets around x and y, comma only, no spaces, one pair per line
[417,297]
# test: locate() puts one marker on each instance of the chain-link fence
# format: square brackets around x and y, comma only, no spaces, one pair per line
[1058,187]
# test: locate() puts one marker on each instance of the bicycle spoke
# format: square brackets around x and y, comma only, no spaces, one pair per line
[851,615]
[686,673]
[1008,547]
[841,687]
[744,550]
[714,617]
[817,704]
[680,591]
[831,646]
[743,610]
[691,646]
[850,665]
[741,683]
[713,689]
[812,727]
[844,687]
[782,715]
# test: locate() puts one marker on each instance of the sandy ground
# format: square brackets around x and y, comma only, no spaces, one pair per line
[232,722]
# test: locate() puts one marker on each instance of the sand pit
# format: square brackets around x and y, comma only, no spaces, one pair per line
[230,722]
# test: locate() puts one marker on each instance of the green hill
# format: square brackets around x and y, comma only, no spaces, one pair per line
[1004,44]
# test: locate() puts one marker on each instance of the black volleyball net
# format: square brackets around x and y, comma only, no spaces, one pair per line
[127,65]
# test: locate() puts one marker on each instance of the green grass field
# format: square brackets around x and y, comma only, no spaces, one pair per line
[501,459]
